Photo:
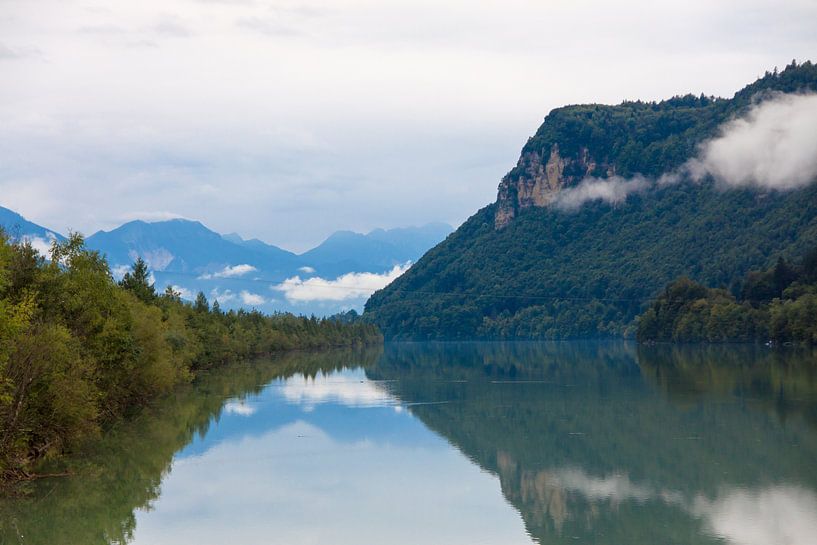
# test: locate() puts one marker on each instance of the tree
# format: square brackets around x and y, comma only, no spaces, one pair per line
[137,281]
[201,304]
[172,294]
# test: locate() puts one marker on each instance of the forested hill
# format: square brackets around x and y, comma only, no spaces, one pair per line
[529,266]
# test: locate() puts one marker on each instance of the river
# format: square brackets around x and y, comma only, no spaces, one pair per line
[460,443]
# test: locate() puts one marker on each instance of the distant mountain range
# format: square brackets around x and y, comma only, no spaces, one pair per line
[20,228]
[252,273]
[378,250]
[185,246]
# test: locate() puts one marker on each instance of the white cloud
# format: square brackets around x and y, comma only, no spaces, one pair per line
[348,286]
[157,259]
[306,270]
[129,118]
[42,245]
[151,215]
[230,272]
[184,293]
[772,147]
[222,297]
[249,298]
[118,271]
[612,190]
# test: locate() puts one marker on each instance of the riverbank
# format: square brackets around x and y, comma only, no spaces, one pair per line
[79,351]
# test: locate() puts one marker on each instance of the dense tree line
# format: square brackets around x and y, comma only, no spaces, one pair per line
[552,274]
[79,350]
[589,273]
[778,304]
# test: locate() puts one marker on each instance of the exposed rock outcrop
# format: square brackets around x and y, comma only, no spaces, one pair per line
[535,182]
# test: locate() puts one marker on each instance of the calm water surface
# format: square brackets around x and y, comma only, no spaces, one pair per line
[511,443]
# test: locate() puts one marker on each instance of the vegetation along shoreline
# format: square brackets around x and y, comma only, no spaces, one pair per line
[80,351]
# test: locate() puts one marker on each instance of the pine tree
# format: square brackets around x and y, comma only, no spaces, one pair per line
[137,281]
[201,304]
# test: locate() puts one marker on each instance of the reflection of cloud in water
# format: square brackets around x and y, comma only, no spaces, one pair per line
[241,408]
[615,487]
[777,515]
[780,515]
[297,485]
[352,391]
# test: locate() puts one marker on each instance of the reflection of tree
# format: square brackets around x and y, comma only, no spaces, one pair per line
[124,471]
[584,447]
[784,380]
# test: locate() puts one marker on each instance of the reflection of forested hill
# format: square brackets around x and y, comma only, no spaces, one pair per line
[124,471]
[585,447]
[591,442]
[784,380]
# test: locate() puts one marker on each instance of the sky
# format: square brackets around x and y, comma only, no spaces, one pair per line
[287,121]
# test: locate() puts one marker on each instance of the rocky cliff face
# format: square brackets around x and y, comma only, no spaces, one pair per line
[537,180]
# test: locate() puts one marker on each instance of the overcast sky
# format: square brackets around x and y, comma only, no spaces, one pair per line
[289,120]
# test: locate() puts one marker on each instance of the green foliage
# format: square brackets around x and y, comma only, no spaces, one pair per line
[122,472]
[652,138]
[137,281]
[778,304]
[589,273]
[552,274]
[78,351]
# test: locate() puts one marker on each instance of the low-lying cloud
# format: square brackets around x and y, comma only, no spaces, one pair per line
[612,190]
[343,288]
[41,244]
[233,271]
[772,147]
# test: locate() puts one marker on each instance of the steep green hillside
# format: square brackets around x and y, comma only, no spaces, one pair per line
[521,268]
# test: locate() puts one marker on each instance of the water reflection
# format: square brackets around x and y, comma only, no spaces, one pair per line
[352,389]
[588,450]
[455,443]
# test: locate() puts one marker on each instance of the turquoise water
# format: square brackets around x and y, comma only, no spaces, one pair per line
[473,443]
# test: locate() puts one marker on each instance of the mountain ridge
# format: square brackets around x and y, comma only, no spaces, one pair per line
[525,268]
[248,273]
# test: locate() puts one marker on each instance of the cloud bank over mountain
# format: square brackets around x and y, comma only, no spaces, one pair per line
[344,288]
[772,147]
